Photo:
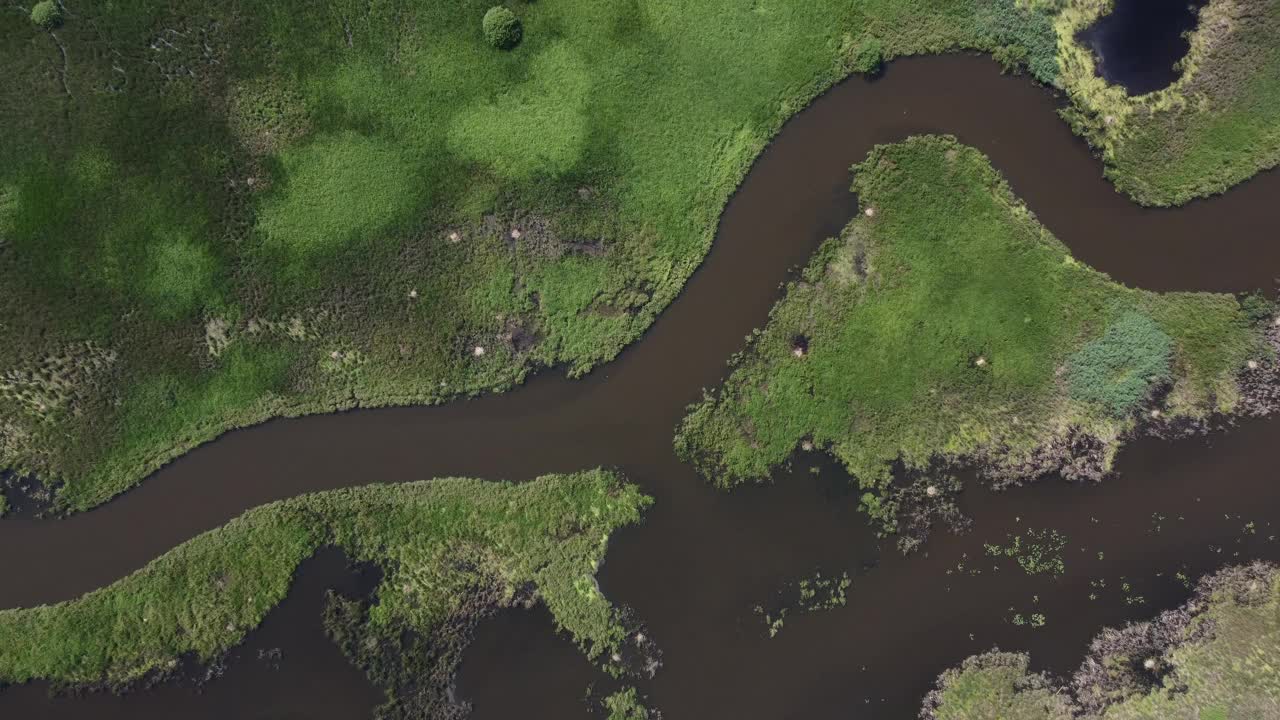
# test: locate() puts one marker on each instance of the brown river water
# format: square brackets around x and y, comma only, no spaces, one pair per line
[703,558]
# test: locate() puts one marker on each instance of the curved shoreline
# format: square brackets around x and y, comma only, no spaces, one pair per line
[794,196]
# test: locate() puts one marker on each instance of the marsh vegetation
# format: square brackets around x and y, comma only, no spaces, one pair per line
[946,325]
[451,552]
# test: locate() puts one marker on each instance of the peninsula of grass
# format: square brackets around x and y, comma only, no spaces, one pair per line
[213,213]
[1212,659]
[451,550]
[1216,126]
[946,324]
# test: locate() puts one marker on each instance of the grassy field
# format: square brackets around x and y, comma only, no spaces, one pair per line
[1213,128]
[213,213]
[440,543]
[1218,665]
[945,322]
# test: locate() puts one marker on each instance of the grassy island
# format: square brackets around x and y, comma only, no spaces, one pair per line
[946,323]
[1216,126]
[1212,659]
[451,550]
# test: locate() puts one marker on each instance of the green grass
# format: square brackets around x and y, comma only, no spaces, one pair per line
[1213,128]
[1227,672]
[290,176]
[946,322]
[437,542]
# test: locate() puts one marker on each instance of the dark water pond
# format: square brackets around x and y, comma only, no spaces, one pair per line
[1138,44]
[703,558]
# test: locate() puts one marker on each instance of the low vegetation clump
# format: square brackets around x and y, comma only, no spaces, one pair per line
[626,705]
[46,14]
[946,324]
[369,206]
[1040,552]
[1212,659]
[996,685]
[501,28]
[451,550]
[811,594]
[868,57]
[1214,127]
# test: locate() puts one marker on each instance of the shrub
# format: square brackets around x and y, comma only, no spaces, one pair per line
[1012,58]
[868,57]
[1118,369]
[501,28]
[46,14]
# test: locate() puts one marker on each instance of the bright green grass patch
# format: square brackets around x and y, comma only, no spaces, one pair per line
[180,276]
[945,322]
[1216,126]
[438,542]
[333,189]
[273,165]
[1219,664]
[537,127]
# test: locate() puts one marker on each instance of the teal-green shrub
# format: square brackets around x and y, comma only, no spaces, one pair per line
[46,14]
[868,57]
[1118,369]
[501,28]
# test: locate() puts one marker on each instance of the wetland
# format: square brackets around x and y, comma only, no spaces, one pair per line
[694,569]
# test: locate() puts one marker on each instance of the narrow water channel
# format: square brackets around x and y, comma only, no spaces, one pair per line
[703,558]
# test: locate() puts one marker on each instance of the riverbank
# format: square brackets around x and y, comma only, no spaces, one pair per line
[945,324]
[332,228]
[1210,658]
[451,551]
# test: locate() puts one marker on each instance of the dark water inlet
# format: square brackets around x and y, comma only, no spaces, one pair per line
[703,557]
[1138,44]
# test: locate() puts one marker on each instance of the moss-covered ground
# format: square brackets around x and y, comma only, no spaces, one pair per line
[439,543]
[212,213]
[1214,127]
[945,322]
[1213,659]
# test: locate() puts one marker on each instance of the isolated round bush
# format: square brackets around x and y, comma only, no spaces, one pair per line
[501,28]
[868,57]
[46,14]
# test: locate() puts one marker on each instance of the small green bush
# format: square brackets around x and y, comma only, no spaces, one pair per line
[501,28]
[1118,369]
[46,14]
[868,57]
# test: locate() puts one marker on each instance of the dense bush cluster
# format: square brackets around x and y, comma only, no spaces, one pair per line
[46,14]
[868,57]
[1119,369]
[501,28]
